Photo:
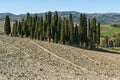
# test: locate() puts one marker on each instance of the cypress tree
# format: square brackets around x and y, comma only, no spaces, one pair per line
[45,26]
[19,28]
[106,41]
[49,34]
[26,29]
[36,17]
[89,30]
[76,35]
[32,28]
[7,26]
[22,32]
[98,34]
[41,28]
[67,31]
[85,40]
[52,30]
[71,28]
[28,22]
[28,16]
[82,29]
[37,30]
[45,30]
[55,39]
[90,34]
[58,28]
[55,26]
[55,18]
[49,16]
[15,29]
[94,30]
[62,32]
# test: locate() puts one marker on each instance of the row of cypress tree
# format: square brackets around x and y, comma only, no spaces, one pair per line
[58,29]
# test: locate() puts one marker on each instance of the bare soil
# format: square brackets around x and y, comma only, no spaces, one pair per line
[25,59]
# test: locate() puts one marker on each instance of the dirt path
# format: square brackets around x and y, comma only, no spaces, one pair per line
[37,60]
[59,57]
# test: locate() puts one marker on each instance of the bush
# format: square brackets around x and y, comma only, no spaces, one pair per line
[102,42]
[115,25]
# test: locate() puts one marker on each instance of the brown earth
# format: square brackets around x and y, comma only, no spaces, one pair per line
[105,28]
[25,59]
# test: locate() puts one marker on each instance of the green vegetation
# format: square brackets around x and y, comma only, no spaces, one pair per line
[111,31]
[110,35]
[115,25]
[108,30]
[57,29]
[7,26]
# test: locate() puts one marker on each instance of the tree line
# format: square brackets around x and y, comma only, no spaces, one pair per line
[57,29]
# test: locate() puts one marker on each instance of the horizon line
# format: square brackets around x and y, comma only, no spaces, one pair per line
[60,11]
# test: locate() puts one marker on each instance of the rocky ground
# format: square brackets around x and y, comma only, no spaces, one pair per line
[25,59]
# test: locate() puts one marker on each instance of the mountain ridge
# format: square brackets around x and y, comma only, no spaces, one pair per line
[106,18]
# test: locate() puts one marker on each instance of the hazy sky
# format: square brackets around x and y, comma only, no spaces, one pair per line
[37,6]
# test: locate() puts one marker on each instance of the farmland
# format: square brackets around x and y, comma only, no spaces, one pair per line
[25,59]
[108,30]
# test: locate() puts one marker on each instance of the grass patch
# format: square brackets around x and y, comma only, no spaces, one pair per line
[108,30]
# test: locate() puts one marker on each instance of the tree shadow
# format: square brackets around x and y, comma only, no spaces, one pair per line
[106,51]
[98,49]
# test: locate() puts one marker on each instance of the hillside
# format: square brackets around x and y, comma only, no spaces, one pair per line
[24,59]
[107,18]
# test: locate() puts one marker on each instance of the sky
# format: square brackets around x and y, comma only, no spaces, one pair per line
[40,6]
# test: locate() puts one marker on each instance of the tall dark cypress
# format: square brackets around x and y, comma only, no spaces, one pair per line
[32,28]
[85,29]
[26,29]
[45,26]
[94,30]
[7,26]
[98,34]
[19,28]
[71,28]
[89,30]
[15,29]
[41,28]
[67,31]
[62,32]
[55,26]
[76,41]
[37,30]
[49,16]
[45,29]
[28,22]
[58,28]
[90,34]
[82,29]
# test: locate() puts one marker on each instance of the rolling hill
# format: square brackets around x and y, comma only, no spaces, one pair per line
[25,59]
[107,18]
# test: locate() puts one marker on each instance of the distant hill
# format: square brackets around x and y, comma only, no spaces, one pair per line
[108,18]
